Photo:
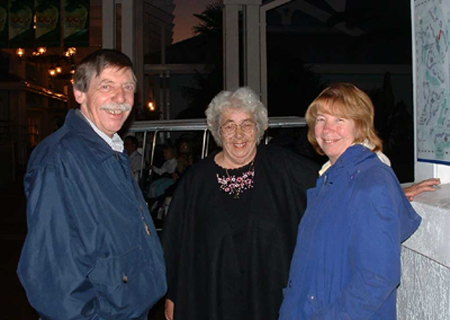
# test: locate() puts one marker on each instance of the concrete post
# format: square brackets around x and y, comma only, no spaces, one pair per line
[132,36]
[109,24]
[252,57]
[231,46]
[139,51]
[251,44]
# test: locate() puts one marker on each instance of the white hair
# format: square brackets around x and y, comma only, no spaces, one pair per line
[243,99]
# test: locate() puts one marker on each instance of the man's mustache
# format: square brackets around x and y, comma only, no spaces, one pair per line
[124,107]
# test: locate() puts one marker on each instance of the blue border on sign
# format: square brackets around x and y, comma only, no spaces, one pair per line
[434,161]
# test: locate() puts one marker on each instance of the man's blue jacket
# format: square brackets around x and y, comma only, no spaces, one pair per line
[92,251]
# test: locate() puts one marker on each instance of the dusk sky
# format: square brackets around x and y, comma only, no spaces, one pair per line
[184,17]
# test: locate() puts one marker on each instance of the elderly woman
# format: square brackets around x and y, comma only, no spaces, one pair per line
[230,231]
[346,263]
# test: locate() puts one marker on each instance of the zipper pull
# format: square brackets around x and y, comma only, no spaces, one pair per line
[147,229]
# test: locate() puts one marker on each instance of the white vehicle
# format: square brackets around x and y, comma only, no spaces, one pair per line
[158,127]
[160,130]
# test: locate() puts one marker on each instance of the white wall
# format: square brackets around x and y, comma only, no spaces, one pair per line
[424,293]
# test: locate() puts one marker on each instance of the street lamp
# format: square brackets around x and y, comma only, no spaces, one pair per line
[52,71]
[20,53]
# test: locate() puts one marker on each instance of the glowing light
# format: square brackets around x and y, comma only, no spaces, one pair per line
[20,52]
[151,106]
[70,52]
[52,72]
[42,50]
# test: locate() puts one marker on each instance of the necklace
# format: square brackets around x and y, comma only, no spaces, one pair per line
[237,185]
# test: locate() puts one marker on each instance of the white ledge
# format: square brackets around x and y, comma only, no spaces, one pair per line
[432,239]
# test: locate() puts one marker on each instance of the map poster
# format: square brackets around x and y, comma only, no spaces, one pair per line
[432,79]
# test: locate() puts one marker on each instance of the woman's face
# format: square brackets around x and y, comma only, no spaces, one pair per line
[334,134]
[239,146]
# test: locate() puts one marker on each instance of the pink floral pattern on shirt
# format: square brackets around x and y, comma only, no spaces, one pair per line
[236,185]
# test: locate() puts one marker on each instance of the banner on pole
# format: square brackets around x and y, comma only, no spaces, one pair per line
[4,23]
[48,23]
[76,23]
[21,31]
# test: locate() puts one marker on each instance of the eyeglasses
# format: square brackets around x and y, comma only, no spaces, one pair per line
[246,126]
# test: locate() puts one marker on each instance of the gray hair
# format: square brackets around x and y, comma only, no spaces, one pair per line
[94,64]
[243,99]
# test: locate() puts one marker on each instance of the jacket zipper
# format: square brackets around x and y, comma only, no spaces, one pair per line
[141,208]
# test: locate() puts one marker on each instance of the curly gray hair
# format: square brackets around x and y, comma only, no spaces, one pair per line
[243,99]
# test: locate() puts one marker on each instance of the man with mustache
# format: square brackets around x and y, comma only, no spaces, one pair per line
[92,251]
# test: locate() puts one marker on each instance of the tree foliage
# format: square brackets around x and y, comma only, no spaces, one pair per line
[206,86]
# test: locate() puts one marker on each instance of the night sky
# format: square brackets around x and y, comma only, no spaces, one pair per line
[184,19]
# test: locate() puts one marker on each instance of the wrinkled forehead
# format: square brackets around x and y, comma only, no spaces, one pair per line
[116,71]
[233,113]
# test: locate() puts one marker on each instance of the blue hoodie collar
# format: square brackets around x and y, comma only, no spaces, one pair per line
[351,159]
[95,143]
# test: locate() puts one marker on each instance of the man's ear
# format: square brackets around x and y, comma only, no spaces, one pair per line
[80,96]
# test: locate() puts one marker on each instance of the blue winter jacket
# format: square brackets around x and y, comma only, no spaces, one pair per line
[88,254]
[346,264]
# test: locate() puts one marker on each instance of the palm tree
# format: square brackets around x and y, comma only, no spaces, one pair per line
[290,82]
[210,20]
[207,85]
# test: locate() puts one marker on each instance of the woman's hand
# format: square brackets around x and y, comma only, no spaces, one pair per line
[168,309]
[418,188]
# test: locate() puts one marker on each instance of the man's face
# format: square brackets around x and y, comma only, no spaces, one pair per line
[109,99]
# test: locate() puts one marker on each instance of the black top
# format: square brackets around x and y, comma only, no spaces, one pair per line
[229,258]
[236,207]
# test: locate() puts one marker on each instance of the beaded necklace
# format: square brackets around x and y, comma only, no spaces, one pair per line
[237,185]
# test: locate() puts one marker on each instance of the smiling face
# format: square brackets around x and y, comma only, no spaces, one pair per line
[109,99]
[239,147]
[334,134]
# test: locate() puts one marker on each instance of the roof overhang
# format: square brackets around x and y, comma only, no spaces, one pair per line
[28,86]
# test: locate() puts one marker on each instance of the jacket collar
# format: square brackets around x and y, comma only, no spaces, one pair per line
[350,160]
[78,125]
[366,146]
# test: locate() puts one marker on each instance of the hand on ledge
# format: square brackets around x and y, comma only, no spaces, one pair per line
[423,186]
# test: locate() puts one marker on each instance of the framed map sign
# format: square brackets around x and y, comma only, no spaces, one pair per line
[432,79]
